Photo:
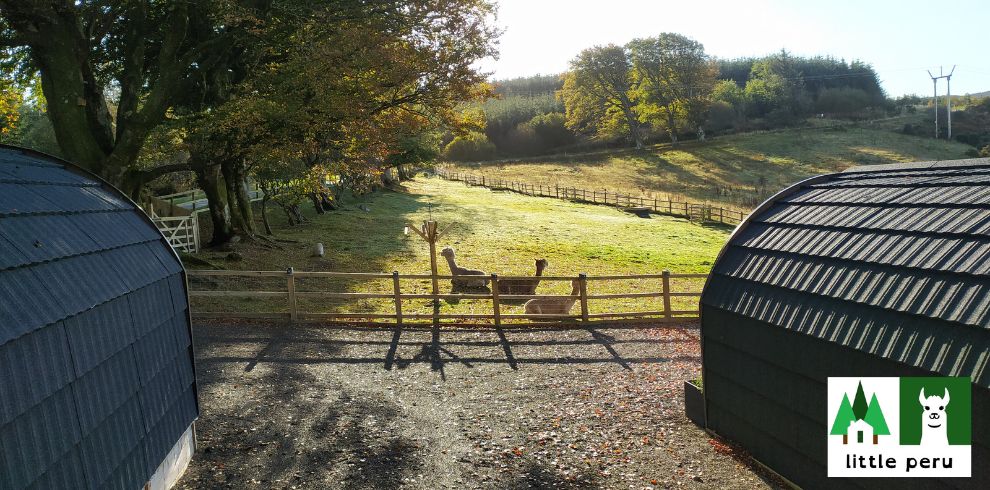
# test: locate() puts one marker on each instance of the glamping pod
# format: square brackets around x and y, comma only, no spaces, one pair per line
[880,271]
[97,385]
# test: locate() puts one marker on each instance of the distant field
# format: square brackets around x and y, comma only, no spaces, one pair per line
[738,170]
[494,231]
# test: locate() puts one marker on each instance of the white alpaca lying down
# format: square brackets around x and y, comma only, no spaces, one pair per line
[455,270]
[554,306]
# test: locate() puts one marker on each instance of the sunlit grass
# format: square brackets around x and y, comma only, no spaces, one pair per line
[496,232]
[737,171]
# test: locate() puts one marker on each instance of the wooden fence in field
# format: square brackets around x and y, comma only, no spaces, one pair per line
[581,312]
[693,211]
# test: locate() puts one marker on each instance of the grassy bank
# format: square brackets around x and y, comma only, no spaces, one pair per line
[738,170]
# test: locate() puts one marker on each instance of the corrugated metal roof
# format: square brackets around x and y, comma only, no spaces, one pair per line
[894,262]
[87,286]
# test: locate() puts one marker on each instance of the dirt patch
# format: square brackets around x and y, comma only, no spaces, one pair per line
[319,407]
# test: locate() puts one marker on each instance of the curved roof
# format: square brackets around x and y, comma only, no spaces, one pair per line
[98,380]
[892,260]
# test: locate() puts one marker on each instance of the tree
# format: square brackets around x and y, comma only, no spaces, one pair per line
[843,418]
[874,417]
[111,69]
[339,86]
[597,94]
[11,100]
[859,403]
[472,146]
[675,79]
[776,88]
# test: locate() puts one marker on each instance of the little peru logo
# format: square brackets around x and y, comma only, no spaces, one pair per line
[899,427]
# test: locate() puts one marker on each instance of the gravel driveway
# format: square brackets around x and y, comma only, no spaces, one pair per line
[322,407]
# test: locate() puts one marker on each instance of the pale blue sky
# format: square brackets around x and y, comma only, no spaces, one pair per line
[901,39]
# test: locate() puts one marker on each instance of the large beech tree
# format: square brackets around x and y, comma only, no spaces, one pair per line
[342,89]
[675,79]
[111,69]
[340,73]
[597,93]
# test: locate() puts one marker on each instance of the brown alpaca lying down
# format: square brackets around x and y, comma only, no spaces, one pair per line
[523,286]
[554,306]
[455,270]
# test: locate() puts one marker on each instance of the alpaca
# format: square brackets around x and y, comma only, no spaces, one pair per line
[933,431]
[554,306]
[455,270]
[523,286]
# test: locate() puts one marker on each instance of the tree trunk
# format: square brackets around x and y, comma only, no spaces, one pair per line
[672,127]
[237,196]
[317,203]
[634,131]
[264,214]
[208,178]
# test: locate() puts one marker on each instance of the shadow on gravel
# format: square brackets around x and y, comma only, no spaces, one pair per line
[277,444]
[400,348]
[536,476]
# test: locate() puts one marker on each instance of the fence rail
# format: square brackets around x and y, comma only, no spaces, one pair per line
[691,210]
[289,292]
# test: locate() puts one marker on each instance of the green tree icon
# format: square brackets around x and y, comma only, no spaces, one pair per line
[843,418]
[859,403]
[874,417]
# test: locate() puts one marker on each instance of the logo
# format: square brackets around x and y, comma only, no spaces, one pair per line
[899,427]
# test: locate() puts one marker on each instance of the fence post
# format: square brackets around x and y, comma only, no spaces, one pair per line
[195,223]
[495,304]
[666,295]
[397,292]
[583,278]
[291,287]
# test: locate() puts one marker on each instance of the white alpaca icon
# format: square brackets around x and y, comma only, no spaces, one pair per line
[933,420]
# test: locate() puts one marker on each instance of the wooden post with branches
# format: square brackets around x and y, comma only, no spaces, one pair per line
[430,233]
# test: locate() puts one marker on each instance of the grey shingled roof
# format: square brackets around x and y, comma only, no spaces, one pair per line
[891,260]
[97,378]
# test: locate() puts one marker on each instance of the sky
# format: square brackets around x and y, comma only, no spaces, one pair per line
[901,39]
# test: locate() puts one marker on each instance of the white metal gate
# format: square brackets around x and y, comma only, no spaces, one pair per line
[182,232]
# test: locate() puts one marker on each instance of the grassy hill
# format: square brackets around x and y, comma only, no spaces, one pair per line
[497,232]
[738,170]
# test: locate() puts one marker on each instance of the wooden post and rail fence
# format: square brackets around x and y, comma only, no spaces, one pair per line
[693,211]
[581,312]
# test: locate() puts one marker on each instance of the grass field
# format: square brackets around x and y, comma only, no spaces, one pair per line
[737,170]
[494,231]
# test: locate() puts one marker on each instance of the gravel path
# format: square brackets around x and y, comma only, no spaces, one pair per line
[318,407]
